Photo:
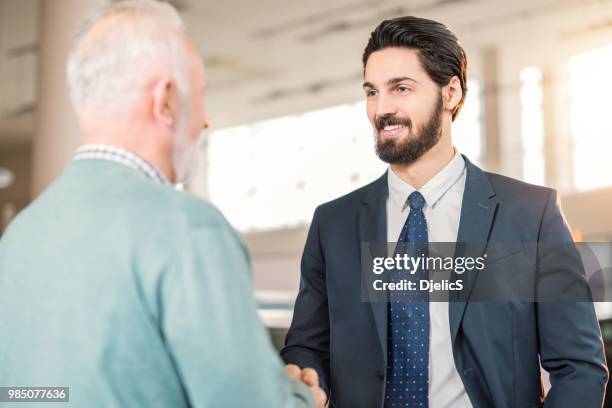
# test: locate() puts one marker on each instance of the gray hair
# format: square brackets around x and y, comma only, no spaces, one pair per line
[107,69]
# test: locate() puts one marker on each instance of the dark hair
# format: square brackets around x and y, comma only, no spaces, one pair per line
[438,48]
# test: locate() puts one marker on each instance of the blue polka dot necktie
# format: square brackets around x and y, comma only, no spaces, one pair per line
[408,332]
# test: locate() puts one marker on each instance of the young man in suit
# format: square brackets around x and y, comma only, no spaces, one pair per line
[436,354]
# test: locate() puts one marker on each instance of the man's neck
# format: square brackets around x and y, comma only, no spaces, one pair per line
[419,172]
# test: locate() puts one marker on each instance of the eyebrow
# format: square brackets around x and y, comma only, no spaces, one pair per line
[391,81]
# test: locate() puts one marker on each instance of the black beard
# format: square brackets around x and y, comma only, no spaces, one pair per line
[409,150]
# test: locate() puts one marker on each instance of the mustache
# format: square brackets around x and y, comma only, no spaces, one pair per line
[392,120]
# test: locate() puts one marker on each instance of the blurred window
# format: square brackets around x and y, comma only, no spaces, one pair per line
[532,128]
[467,128]
[591,127]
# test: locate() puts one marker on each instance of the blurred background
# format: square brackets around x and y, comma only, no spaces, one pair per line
[290,130]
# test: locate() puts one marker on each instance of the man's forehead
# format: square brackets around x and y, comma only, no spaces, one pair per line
[390,63]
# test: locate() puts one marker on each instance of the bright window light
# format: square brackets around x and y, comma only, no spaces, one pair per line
[591,127]
[532,127]
[467,128]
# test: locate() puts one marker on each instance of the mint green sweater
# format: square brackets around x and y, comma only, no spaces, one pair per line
[133,295]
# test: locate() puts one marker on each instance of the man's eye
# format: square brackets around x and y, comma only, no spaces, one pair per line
[371,92]
[403,89]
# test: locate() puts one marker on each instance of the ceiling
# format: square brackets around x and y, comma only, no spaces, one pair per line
[268,58]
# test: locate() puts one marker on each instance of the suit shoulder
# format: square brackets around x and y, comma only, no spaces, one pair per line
[508,187]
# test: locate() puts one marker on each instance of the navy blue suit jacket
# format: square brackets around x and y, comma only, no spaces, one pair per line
[497,347]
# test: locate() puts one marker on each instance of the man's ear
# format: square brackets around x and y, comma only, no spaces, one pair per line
[452,94]
[165,102]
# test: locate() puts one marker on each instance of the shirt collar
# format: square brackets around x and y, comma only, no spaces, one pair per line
[433,190]
[121,156]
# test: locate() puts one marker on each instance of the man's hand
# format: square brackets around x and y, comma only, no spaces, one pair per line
[309,377]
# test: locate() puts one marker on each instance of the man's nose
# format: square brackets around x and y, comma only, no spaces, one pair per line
[385,107]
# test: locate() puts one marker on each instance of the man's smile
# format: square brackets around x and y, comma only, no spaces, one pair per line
[393,131]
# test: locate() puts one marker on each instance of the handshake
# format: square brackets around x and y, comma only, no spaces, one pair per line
[309,377]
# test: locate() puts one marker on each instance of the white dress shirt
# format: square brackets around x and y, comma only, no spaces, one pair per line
[443,198]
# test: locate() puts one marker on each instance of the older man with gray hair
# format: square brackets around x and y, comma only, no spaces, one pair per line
[112,282]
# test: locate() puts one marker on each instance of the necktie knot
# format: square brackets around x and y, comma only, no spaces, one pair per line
[416,201]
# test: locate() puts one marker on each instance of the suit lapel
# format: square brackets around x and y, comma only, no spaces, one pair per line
[373,229]
[477,213]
